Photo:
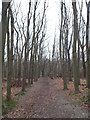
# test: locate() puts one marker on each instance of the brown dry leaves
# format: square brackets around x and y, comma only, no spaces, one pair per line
[70,85]
[14,90]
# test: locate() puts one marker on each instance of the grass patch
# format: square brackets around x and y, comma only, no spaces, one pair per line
[85,99]
[9,105]
[70,93]
[65,89]
[20,93]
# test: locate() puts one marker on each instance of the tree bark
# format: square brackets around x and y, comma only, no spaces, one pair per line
[83,63]
[69,67]
[0,70]
[8,62]
[74,48]
[88,46]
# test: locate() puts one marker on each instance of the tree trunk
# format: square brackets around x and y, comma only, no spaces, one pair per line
[10,54]
[88,46]
[19,68]
[24,70]
[64,72]
[5,5]
[83,63]
[29,74]
[15,66]
[12,42]
[74,48]
[75,67]
[69,67]
[1,70]
[8,62]
[78,67]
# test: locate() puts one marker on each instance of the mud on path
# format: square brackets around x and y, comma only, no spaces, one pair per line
[45,100]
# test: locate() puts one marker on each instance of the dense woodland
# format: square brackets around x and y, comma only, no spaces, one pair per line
[26,56]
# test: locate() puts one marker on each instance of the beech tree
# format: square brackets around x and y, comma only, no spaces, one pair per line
[0,69]
[88,45]
[75,62]
[10,53]
[26,48]
[5,6]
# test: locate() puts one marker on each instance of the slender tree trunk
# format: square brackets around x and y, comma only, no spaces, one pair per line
[88,46]
[64,72]
[24,71]
[19,68]
[78,67]
[83,63]
[10,54]
[31,65]
[75,67]
[12,42]
[8,62]
[4,30]
[29,74]
[15,66]
[61,29]
[1,70]
[74,48]
[69,67]
[38,65]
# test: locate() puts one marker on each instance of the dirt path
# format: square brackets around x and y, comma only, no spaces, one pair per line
[45,100]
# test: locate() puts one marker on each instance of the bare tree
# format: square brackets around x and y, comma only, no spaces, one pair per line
[0,69]
[74,47]
[26,48]
[88,45]
[5,6]
[10,52]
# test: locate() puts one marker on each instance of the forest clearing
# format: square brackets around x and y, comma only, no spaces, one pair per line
[45,59]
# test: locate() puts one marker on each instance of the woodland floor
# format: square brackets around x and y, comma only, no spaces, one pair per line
[47,99]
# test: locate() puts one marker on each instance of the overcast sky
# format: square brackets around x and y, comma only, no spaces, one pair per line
[52,14]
